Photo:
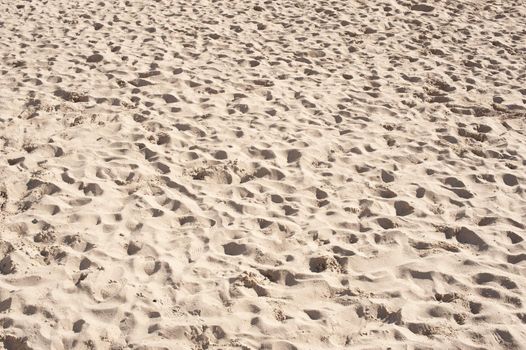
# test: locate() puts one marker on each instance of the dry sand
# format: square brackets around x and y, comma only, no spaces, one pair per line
[262,175]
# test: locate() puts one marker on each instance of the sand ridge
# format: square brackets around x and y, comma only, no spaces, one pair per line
[262,175]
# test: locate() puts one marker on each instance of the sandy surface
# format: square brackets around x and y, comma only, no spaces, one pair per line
[262,175]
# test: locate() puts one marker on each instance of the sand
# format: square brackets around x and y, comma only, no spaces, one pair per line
[262,175]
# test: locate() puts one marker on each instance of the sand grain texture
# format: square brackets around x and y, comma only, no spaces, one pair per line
[262,175]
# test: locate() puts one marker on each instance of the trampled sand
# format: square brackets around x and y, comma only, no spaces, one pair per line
[262,174]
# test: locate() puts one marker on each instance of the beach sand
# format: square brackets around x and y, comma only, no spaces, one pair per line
[262,175]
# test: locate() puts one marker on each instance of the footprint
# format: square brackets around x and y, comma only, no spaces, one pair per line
[91,189]
[505,337]
[169,98]
[466,236]
[95,58]
[320,194]
[484,278]
[510,180]
[385,223]
[275,198]
[423,329]
[454,182]
[163,168]
[293,155]
[7,265]
[488,220]
[323,263]
[233,248]
[516,259]
[85,263]
[140,82]
[30,310]
[387,193]
[14,343]
[313,314]
[133,248]
[15,161]
[263,223]
[220,155]
[387,176]
[420,192]
[514,238]
[78,325]
[475,308]
[462,193]
[403,208]
[6,304]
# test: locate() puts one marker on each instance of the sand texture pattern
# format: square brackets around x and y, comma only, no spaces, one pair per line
[262,174]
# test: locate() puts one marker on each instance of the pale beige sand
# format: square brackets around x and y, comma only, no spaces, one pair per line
[262,175]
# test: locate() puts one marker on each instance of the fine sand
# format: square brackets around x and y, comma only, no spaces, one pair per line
[262,174]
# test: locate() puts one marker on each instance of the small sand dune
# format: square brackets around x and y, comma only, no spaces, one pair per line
[262,174]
